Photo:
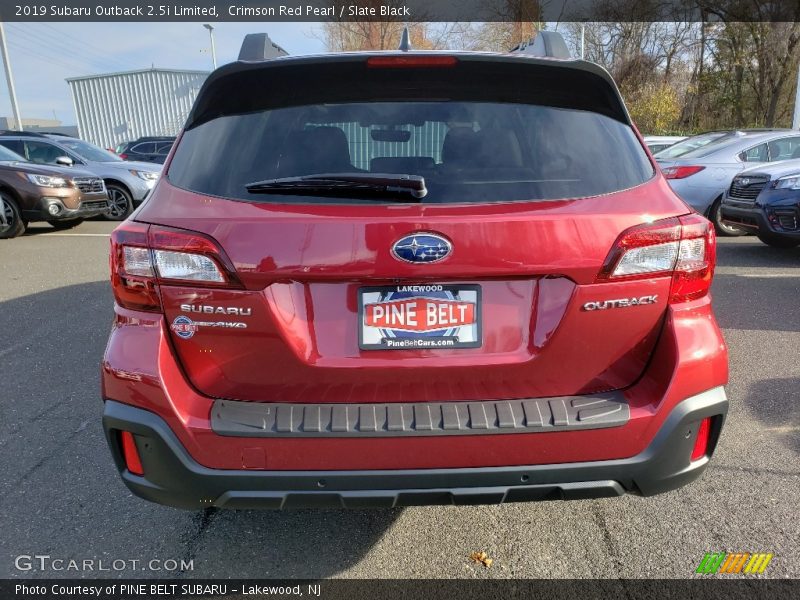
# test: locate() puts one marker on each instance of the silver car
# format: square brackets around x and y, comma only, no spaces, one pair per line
[128,183]
[702,167]
[657,143]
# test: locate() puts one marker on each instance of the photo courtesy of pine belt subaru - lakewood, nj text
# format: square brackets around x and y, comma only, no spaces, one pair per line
[414,290]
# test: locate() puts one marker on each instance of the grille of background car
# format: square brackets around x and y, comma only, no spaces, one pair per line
[749,191]
[89,184]
[94,204]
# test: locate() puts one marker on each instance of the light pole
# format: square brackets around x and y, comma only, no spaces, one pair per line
[796,119]
[9,78]
[583,38]
[213,48]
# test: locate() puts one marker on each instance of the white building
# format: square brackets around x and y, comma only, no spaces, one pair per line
[117,107]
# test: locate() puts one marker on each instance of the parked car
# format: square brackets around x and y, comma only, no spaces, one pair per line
[146,149]
[128,183]
[657,143]
[359,295]
[29,192]
[766,200]
[702,167]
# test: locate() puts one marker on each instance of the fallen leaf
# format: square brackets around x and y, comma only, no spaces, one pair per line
[482,558]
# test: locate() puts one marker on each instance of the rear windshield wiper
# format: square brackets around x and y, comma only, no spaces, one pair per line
[366,185]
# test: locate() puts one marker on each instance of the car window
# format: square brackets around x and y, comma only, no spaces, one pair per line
[88,151]
[784,148]
[755,154]
[145,148]
[42,152]
[657,147]
[7,155]
[467,151]
[163,148]
[15,146]
[693,144]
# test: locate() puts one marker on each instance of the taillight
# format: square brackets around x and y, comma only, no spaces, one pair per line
[399,62]
[682,246]
[132,276]
[701,442]
[680,172]
[143,257]
[123,156]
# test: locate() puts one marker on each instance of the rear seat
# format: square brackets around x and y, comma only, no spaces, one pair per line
[402,164]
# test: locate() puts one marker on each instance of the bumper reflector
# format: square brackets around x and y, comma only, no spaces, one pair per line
[131,453]
[701,443]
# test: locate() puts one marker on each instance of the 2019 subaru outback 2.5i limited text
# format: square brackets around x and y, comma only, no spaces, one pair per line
[368,280]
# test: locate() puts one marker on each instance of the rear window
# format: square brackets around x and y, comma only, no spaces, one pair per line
[467,150]
[698,145]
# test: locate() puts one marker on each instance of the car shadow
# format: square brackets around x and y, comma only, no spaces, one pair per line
[40,228]
[307,544]
[754,253]
[756,303]
[773,402]
[60,491]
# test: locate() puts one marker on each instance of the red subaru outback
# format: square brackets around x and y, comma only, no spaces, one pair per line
[383,279]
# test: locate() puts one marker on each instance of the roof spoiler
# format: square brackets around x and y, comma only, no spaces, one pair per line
[547,44]
[258,46]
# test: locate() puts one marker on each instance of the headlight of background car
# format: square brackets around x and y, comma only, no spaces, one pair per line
[790,182]
[146,175]
[47,180]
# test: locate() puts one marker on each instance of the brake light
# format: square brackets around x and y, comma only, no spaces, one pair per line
[703,436]
[680,172]
[143,257]
[123,156]
[682,246]
[395,62]
[131,453]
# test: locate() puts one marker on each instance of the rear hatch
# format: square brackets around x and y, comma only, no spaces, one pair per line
[350,288]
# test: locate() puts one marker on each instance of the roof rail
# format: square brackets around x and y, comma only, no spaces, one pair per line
[258,46]
[21,133]
[547,44]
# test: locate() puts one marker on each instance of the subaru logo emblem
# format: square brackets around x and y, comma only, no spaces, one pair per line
[744,181]
[422,248]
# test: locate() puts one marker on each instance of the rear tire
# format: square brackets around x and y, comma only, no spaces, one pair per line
[778,241]
[723,229]
[12,225]
[66,223]
[120,202]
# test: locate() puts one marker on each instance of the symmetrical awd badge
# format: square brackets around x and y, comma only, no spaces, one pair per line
[422,247]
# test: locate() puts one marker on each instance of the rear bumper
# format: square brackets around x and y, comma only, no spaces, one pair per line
[172,477]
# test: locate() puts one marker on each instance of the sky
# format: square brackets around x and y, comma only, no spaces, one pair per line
[44,54]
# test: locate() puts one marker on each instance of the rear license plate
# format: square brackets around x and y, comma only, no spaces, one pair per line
[430,316]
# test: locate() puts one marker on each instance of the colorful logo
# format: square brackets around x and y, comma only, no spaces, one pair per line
[737,563]
[184,327]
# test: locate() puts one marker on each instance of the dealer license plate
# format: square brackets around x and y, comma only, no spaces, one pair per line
[425,316]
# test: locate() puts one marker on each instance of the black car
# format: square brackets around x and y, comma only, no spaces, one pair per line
[766,200]
[146,149]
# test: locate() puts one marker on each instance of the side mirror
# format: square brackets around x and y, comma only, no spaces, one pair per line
[64,161]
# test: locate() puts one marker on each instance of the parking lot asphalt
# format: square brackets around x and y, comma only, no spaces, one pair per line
[60,494]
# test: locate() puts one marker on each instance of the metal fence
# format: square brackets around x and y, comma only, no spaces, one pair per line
[426,140]
[118,107]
